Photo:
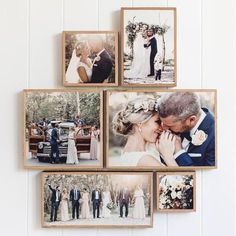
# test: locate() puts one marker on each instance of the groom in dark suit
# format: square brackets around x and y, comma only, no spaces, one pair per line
[74,198]
[181,113]
[96,200]
[54,155]
[153,44]
[55,202]
[102,64]
[124,199]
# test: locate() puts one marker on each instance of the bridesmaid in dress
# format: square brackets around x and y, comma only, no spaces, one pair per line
[139,208]
[94,143]
[64,205]
[85,213]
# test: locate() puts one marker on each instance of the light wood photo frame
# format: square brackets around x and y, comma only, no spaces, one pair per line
[176,191]
[148,46]
[96,199]
[63,129]
[135,129]
[90,58]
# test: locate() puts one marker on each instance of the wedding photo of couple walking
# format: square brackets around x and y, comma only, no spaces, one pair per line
[92,199]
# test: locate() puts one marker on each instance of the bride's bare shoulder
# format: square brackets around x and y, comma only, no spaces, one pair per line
[148,160]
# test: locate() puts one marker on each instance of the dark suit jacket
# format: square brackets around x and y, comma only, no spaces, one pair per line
[127,197]
[54,136]
[53,197]
[153,44]
[203,155]
[101,68]
[99,194]
[72,195]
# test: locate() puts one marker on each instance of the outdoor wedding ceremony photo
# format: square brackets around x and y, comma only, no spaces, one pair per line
[97,199]
[60,129]
[161,129]
[148,46]
[90,58]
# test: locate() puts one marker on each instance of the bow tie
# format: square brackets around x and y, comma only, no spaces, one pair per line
[187,136]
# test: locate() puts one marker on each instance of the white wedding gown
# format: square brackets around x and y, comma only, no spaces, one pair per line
[72,157]
[139,208]
[140,67]
[72,75]
[132,158]
[64,208]
[106,199]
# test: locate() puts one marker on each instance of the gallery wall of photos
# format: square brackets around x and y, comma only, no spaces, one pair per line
[117,142]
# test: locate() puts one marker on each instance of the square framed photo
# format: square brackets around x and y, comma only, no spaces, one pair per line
[148,46]
[163,129]
[90,58]
[101,199]
[176,191]
[61,131]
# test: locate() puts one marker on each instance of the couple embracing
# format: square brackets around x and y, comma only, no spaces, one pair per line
[82,69]
[172,130]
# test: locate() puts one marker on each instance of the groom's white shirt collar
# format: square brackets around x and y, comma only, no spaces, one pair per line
[201,118]
[151,37]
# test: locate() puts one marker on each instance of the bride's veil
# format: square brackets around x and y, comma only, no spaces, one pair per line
[71,73]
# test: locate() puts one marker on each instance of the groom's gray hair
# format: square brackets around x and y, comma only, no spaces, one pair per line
[181,105]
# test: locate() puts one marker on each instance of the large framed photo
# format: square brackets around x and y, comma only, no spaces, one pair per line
[176,191]
[148,46]
[63,129]
[161,129]
[90,58]
[101,199]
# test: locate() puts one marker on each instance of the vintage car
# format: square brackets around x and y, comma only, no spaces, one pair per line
[41,146]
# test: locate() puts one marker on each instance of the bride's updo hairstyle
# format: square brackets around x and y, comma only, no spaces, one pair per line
[80,46]
[134,112]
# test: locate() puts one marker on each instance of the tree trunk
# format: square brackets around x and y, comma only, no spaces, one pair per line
[163,52]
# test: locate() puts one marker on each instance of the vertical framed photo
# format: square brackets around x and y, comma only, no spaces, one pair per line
[176,191]
[101,199]
[61,131]
[90,58]
[148,46]
[156,130]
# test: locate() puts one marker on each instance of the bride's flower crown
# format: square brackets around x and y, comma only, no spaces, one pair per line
[145,104]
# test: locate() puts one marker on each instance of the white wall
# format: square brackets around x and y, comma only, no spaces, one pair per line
[30,52]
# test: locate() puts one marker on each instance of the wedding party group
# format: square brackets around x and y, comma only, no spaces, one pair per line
[84,204]
[167,129]
[89,58]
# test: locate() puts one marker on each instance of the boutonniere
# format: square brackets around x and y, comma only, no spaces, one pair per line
[199,138]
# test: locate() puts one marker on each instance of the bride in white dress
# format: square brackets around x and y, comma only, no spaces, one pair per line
[139,207]
[80,67]
[72,157]
[140,67]
[140,123]
[106,199]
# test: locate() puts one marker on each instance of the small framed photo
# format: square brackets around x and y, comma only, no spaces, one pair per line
[148,46]
[176,191]
[63,129]
[101,199]
[90,58]
[163,129]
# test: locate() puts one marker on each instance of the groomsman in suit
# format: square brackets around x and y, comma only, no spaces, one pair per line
[181,113]
[74,198]
[153,44]
[102,64]
[54,155]
[55,202]
[96,200]
[124,199]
